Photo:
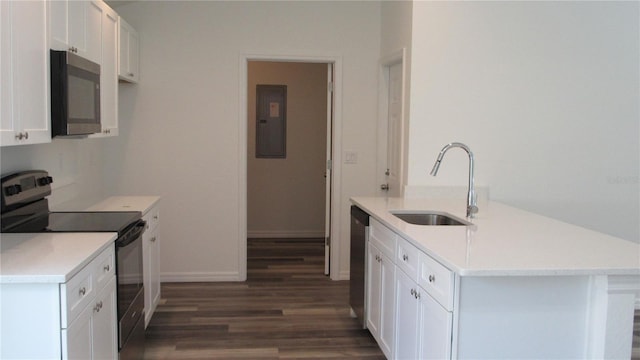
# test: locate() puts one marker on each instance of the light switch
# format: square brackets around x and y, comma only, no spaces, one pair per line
[350,157]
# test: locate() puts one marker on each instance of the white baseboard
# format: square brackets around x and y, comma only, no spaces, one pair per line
[200,277]
[285,234]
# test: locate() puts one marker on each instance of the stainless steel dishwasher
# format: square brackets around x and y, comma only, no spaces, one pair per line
[357,267]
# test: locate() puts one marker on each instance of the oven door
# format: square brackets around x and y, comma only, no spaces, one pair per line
[129,280]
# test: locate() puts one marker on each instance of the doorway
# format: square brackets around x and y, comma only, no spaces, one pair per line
[391,137]
[288,195]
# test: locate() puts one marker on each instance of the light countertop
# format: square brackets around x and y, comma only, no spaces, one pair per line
[56,257]
[48,257]
[506,241]
[112,203]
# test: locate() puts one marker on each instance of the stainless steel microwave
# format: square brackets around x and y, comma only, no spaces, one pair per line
[75,95]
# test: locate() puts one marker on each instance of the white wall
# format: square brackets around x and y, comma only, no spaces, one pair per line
[180,135]
[76,166]
[546,94]
[286,196]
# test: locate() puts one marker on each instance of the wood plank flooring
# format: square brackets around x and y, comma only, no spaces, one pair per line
[635,352]
[287,309]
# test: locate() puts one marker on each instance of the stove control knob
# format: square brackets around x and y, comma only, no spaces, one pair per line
[44,181]
[12,190]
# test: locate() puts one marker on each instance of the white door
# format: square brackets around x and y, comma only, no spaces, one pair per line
[327,206]
[392,131]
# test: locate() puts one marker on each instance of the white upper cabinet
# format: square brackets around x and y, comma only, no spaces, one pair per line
[109,73]
[76,26]
[24,73]
[129,58]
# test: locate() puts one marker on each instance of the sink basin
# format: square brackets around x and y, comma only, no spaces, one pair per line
[429,218]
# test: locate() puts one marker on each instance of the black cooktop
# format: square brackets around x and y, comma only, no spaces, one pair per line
[77,222]
[25,209]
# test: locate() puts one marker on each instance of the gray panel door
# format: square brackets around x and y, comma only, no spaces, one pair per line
[271,124]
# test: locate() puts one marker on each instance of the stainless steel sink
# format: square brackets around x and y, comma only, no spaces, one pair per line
[429,218]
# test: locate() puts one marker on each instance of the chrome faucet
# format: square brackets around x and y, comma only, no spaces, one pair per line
[472,207]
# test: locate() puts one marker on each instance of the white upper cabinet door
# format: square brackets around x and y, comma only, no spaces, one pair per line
[109,74]
[24,73]
[76,26]
[129,58]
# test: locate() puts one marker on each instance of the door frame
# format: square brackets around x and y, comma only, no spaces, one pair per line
[397,57]
[336,150]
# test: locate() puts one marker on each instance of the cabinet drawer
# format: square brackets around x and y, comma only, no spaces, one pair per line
[383,238]
[81,289]
[105,267]
[407,258]
[152,218]
[437,280]
[76,294]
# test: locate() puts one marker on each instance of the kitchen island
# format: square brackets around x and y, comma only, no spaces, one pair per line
[512,284]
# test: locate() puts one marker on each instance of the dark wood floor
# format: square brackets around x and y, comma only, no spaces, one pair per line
[287,309]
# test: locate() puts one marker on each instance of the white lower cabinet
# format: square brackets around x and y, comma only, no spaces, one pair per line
[92,335]
[76,319]
[151,262]
[380,298]
[435,328]
[424,327]
[409,298]
[103,327]
[407,313]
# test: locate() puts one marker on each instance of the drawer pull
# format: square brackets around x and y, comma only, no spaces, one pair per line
[415,293]
[82,291]
[98,307]
[107,268]
[405,257]
[432,278]
[153,239]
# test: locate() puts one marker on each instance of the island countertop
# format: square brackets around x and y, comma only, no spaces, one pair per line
[506,241]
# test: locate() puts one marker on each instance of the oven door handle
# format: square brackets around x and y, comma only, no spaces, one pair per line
[132,235]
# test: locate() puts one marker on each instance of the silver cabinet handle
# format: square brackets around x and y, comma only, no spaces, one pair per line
[405,257]
[98,306]
[432,278]
[107,268]
[153,239]
[413,292]
[384,187]
[82,291]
